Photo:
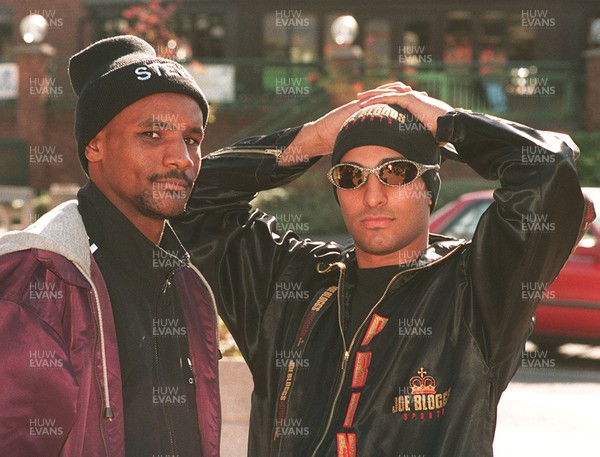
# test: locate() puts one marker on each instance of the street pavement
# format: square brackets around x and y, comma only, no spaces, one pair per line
[550,409]
[553,411]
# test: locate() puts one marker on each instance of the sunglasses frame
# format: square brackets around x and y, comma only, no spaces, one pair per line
[421,168]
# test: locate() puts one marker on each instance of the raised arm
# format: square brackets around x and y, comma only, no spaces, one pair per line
[238,249]
[527,234]
[233,245]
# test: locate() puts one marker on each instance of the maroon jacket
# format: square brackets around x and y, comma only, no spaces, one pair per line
[60,372]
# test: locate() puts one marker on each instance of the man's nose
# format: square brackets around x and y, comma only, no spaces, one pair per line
[178,154]
[374,192]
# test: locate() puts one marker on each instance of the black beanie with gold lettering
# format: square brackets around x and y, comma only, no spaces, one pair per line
[113,73]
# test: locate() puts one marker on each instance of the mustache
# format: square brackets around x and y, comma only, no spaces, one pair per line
[172,174]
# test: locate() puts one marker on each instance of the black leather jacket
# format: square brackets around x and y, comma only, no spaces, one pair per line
[425,371]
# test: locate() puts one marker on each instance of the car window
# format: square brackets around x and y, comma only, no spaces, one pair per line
[463,225]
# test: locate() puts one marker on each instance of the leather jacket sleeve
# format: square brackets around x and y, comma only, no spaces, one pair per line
[526,235]
[238,249]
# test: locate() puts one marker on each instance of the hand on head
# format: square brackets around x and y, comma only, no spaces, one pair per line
[425,108]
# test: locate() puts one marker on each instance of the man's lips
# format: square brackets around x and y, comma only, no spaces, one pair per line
[376,221]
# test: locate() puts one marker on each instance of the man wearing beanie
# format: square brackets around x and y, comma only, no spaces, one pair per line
[402,342]
[108,334]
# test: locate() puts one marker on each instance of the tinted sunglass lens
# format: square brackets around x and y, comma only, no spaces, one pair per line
[399,173]
[347,176]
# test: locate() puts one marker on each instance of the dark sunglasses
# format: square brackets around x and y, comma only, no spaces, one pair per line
[396,173]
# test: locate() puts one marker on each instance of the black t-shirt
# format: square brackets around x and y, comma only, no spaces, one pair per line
[370,285]
[159,398]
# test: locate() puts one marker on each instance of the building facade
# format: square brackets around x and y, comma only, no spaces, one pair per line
[283,64]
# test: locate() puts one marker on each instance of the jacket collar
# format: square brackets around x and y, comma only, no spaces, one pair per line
[122,247]
[439,247]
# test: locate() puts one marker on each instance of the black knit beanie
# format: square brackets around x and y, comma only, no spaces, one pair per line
[113,73]
[396,128]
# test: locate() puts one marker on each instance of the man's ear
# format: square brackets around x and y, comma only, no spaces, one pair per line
[94,150]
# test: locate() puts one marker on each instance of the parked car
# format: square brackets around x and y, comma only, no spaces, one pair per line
[570,308]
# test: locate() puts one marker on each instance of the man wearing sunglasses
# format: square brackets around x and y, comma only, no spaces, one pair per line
[401,343]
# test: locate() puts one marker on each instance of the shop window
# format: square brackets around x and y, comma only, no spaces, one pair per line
[206,35]
[458,45]
[203,33]
[492,59]
[415,45]
[5,30]
[520,41]
[290,35]
[377,40]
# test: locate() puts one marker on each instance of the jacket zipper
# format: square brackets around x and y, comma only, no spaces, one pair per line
[348,350]
[100,422]
[345,358]
[166,409]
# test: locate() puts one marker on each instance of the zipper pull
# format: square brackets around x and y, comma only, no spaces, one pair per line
[108,413]
[345,360]
[167,282]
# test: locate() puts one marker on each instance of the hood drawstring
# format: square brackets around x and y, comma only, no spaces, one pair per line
[323,268]
[108,412]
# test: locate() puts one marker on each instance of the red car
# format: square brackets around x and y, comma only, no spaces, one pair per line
[570,309]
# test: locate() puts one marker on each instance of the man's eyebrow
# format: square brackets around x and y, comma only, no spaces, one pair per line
[381,162]
[198,130]
[154,122]
[150,122]
[390,159]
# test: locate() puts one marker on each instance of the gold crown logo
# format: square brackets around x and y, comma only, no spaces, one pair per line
[422,384]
